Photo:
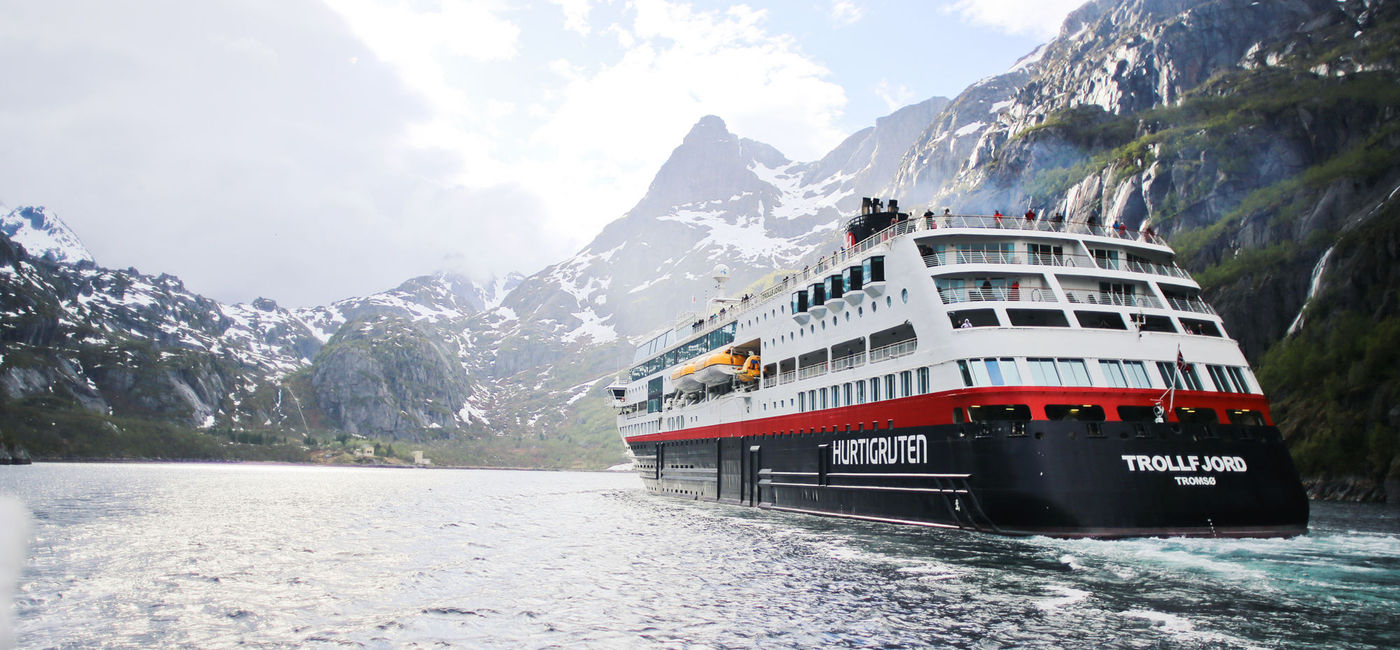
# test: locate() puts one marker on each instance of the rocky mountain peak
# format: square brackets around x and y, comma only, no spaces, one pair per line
[711,164]
[43,235]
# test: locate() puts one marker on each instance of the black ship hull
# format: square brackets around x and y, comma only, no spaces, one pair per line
[1055,478]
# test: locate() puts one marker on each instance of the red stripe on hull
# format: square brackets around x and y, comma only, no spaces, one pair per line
[937,409]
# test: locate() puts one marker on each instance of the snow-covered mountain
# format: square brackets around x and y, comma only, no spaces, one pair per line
[43,234]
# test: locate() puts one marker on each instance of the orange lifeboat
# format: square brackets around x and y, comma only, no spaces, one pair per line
[718,368]
[684,378]
[751,370]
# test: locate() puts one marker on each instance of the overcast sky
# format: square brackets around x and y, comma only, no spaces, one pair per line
[308,151]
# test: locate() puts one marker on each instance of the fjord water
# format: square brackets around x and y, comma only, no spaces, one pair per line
[225,555]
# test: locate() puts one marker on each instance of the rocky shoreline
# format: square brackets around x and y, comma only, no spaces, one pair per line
[1352,488]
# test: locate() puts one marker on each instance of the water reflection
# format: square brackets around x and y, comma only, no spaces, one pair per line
[223,555]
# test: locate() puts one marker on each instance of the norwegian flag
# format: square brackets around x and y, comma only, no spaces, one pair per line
[1181,366]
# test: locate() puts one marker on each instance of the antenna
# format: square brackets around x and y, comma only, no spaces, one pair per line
[720,275]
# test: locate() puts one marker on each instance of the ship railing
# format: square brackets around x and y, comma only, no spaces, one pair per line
[847,362]
[735,310]
[1192,305]
[814,370]
[894,350]
[952,257]
[1112,298]
[1039,224]
[787,377]
[1007,294]
[770,381]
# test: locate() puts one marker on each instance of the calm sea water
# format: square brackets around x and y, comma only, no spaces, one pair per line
[234,555]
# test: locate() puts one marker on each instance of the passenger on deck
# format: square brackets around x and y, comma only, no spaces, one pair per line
[1030,216]
[997,216]
[1058,221]
[965,324]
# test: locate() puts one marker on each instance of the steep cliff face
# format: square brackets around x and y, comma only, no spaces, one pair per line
[1256,136]
[386,376]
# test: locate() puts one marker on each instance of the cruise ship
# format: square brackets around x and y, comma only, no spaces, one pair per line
[1015,375]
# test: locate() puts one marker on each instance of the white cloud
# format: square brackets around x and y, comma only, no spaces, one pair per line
[575,15]
[845,12]
[895,96]
[1040,18]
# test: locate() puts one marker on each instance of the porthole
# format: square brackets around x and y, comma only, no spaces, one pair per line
[904,295]
[874,307]
[823,324]
[848,317]
[833,321]
[889,301]
[860,311]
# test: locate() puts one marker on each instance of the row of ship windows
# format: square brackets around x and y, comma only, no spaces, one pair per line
[1095,413]
[1006,372]
[860,312]
[874,389]
[641,428]
[1116,373]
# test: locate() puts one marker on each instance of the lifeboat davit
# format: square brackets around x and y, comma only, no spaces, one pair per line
[718,368]
[684,379]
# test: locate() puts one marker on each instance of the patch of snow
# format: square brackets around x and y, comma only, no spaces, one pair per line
[969,129]
[1036,55]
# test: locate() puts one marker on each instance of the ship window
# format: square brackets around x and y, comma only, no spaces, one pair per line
[1184,380]
[1202,327]
[835,396]
[874,389]
[1075,412]
[811,400]
[1043,372]
[906,383]
[1245,417]
[860,392]
[1037,317]
[889,387]
[1148,323]
[847,394]
[1100,320]
[999,412]
[1193,415]
[1137,414]
[1106,259]
[982,376]
[1113,373]
[904,295]
[923,380]
[1074,373]
[1045,254]
[995,372]
[974,318]
[1237,376]
[966,373]
[1125,374]
[1217,377]
[802,402]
